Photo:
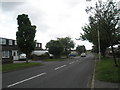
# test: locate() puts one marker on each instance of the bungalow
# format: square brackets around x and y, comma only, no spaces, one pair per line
[9,50]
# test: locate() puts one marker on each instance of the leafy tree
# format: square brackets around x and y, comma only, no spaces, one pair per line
[95,49]
[67,44]
[25,35]
[55,47]
[80,49]
[103,18]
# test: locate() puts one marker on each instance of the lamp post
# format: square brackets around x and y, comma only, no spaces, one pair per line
[99,43]
[98,38]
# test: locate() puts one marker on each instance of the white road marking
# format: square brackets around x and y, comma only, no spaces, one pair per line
[60,67]
[26,80]
[71,63]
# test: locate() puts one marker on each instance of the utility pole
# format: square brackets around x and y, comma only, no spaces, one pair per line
[98,37]
[99,43]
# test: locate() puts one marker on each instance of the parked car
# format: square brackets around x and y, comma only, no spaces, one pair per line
[72,54]
[83,54]
[22,56]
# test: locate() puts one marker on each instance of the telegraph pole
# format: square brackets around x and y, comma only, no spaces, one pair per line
[99,43]
[98,38]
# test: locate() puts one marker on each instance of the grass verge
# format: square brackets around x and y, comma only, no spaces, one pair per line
[106,71]
[0,67]
[56,59]
[17,66]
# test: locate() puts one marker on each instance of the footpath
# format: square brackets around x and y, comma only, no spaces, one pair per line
[101,84]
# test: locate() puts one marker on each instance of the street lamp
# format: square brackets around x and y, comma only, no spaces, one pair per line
[98,38]
[99,43]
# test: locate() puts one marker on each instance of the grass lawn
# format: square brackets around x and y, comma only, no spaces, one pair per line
[106,71]
[55,59]
[16,66]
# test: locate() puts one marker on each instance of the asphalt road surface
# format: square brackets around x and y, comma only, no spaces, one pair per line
[71,73]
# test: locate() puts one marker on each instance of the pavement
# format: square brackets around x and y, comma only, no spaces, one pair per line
[101,84]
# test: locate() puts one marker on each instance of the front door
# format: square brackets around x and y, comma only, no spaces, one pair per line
[15,54]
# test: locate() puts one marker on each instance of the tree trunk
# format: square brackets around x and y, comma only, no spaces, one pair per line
[27,58]
[103,53]
[114,58]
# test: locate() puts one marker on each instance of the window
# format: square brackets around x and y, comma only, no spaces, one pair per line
[5,54]
[3,41]
[36,44]
[15,42]
[40,45]
[10,42]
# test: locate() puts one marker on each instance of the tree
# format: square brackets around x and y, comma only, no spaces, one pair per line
[25,35]
[55,47]
[103,18]
[80,49]
[67,44]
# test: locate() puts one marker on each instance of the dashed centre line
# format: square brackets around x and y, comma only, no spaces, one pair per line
[26,80]
[60,67]
[37,75]
[71,63]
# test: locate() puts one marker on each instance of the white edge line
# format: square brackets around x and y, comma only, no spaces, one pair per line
[25,80]
[59,67]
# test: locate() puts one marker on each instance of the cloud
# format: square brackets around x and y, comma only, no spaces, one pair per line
[53,18]
[72,3]
[10,6]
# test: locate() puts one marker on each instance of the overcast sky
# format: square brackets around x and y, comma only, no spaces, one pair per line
[53,18]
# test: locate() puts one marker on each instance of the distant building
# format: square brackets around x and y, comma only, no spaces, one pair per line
[9,50]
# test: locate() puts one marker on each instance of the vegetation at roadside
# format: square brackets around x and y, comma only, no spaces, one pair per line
[103,24]
[17,66]
[61,46]
[68,44]
[106,71]
[80,49]
[0,67]
[25,35]
[59,59]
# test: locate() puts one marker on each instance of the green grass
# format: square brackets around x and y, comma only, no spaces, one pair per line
[55,59]
[17,66]
[106,71]
[0,67]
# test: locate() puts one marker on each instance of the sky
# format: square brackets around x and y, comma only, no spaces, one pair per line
[53,18]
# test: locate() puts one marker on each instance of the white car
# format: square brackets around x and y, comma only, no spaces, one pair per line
[22,56]
[83,54]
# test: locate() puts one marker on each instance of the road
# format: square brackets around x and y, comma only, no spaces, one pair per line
[71,73]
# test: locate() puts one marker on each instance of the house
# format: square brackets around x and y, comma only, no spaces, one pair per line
[9,50]
[116,51]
